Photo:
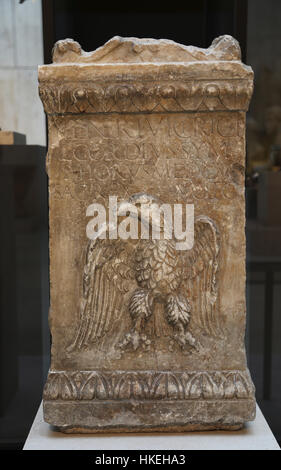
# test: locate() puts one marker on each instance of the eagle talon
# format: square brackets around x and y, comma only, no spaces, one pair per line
[186,339]
[135,340]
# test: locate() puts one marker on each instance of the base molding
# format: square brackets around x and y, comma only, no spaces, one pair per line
[149,416]
[148,401]
[170,429]
[152,385]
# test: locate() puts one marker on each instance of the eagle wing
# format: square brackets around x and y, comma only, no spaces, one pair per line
[108,273]
[200,273]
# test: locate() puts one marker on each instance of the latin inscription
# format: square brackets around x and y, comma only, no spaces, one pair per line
[116,154]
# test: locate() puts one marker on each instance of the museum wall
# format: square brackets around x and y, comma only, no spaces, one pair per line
[263,54]
[21,45]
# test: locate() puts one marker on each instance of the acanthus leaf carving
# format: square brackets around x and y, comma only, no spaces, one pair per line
[148,385]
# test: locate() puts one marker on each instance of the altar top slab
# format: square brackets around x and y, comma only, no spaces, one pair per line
[136,50]
[223,57]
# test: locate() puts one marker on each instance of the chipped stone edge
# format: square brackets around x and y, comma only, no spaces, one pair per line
[222,48]
[149,416]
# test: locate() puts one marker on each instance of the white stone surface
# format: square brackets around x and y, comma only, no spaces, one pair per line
[255,436]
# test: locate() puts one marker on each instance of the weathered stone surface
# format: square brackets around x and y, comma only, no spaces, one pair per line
[135,50]
[146,337]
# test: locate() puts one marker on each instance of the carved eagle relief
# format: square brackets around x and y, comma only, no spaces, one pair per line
[184,282]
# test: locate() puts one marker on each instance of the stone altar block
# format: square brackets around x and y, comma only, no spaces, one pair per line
[146,337]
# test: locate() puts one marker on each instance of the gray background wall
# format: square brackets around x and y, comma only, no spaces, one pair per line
[21,46]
